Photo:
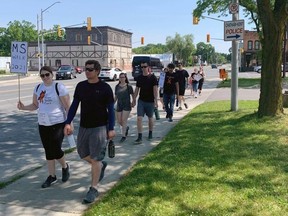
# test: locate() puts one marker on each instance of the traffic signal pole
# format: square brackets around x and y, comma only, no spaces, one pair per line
[234,72]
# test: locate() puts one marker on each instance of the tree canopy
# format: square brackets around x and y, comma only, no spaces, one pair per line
[270,18]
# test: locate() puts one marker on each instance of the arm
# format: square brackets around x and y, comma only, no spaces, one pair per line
[71,114]
[155,94]
[135,95]
[31,107]
[111,120]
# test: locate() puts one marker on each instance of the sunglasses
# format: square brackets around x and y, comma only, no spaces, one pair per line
[144,66]
[89,69]
[43,75]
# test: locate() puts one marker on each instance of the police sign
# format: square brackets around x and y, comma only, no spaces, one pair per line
[19,57]
[233,30]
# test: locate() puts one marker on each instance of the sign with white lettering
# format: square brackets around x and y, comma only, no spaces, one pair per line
[19,51]
[234,30]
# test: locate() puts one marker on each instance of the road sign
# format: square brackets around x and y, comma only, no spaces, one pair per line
[234,30]
[233,8]
[19,57]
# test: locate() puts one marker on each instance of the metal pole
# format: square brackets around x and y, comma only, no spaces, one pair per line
[234,74]
[39,60]
[42,39]
[42,33]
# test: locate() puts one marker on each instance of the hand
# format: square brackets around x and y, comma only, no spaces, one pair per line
[20,105]
[68,129]
[111,134]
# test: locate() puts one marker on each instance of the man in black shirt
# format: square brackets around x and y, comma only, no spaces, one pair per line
[183,80]
[147,86]
[171,88]
[97,110]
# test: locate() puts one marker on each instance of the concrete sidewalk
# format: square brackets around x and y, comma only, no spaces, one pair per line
[26,197]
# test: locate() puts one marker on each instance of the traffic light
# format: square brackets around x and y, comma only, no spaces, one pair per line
[142,40]
[89,40]
[208,38]
[89,24]
[59,32]
[195,20]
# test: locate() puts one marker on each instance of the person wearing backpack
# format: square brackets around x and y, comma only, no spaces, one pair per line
[52,101]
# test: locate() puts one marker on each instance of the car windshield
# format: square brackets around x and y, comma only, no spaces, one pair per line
[106,69]
[64,68]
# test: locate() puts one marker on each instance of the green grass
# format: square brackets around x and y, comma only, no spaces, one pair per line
[242,83]
[246,83]
[214,162]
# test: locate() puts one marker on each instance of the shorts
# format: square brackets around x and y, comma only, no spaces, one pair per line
[181,91]
[122,107]
[92,142]
[145,108]
[52,138]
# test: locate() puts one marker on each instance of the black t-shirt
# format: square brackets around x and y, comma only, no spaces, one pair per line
[182,75]
[146,85]
[170,83]
[94,98]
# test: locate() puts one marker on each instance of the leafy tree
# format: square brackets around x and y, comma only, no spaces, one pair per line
[52,35]
[182,47]
[16,31]
[151,49]
[269,17]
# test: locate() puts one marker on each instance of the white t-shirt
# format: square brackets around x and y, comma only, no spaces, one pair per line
[50,108]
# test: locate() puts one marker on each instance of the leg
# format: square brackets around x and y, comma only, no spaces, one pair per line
[119,118]
[51,167]
[125,128]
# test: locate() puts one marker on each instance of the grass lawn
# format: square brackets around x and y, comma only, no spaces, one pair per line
[214,162]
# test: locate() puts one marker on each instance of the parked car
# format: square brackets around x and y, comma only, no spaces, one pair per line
[108,73]
[78,69]
[66,72]
[213,66]
[257,69]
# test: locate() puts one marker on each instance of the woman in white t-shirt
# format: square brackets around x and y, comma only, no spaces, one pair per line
[52,101]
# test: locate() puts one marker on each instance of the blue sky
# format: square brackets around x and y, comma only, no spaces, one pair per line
[153,19]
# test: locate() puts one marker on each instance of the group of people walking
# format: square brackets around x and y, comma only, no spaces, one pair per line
[97,116]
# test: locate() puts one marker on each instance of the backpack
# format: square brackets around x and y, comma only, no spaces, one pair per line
[56,88]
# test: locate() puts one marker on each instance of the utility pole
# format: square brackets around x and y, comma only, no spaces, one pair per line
[38,32]
[234,73]
[42,33]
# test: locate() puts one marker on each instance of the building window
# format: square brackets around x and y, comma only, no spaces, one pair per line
[250,45]
[78,37]
[257,45]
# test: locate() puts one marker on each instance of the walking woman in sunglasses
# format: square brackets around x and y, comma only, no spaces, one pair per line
[123,93]
[52,102]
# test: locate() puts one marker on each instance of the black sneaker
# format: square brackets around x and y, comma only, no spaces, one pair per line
[122,139]
[127,130]
[138,141]
[65,173]
[104,165]
[49,181]
[91,195]
[150,137]
[186,106]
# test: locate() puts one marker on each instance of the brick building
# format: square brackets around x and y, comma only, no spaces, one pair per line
[110,46]
[251,46]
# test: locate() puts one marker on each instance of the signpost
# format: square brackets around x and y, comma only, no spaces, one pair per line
[234,30]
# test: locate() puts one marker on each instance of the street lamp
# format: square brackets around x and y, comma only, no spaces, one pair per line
[42,37]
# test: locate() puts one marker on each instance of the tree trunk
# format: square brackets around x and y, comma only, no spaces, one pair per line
[270,103]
